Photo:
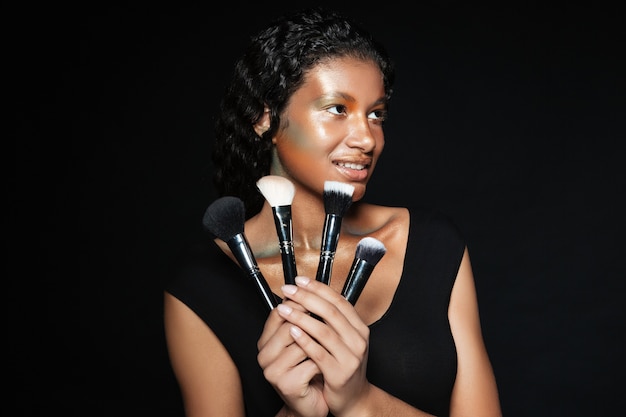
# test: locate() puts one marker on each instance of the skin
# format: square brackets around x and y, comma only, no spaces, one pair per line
[334,119]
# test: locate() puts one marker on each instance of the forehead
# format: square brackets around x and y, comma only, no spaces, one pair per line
[345,74]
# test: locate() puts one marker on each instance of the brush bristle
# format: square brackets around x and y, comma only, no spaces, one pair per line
[277,190]
[225,217]
[337,197]
[370,250]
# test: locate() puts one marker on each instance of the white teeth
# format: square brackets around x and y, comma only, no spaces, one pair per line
[351,165]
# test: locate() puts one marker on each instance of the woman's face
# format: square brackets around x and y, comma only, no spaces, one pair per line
[332,127]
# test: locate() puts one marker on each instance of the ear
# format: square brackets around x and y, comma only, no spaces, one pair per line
[263,124]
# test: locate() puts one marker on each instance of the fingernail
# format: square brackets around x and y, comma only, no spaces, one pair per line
[295,332]
[289,289]
[303,281]
[284,309]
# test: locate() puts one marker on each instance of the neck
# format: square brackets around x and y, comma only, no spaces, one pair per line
[308,216]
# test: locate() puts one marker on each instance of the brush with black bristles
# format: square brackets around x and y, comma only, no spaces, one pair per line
[337,200]
[279,192]
[368,252]
[225,218]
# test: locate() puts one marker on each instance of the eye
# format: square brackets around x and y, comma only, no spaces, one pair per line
[337,109]
[378,115]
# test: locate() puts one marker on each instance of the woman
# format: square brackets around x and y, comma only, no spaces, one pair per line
[308,102]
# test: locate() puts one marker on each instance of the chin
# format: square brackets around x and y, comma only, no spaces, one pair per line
[359,193]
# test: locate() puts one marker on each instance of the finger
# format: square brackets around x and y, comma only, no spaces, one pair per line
[325,302]
[333,345]
[314,351]
[340,376]
[273,323]
[271,326]
[301,389]
[278,361]
[306,331]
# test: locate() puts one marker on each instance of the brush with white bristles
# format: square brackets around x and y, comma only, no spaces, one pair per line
[279,192]
[368,252]
[337,200]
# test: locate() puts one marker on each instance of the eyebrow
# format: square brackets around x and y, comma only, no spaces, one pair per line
[337,94]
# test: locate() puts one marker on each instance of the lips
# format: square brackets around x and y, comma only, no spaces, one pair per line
[352,165]
[353,171]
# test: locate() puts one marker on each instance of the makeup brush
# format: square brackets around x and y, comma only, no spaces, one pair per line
[368,252]
[225,218]
[337,200]
[279,192]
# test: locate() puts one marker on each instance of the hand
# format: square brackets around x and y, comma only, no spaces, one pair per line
[338,346]
[286,366]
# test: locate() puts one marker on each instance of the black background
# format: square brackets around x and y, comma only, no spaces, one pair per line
[509,119]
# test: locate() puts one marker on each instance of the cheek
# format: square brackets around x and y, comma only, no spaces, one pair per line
[380,144]
[303,143]
[378,150]
[294,150]
[293,143]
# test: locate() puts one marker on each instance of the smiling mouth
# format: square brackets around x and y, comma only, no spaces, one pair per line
[352,165]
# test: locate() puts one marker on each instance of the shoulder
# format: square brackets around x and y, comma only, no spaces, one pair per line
[196,260]
[369,218]
[372,217]
[434,222]
[202,278]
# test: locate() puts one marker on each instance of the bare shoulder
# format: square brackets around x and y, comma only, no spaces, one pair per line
[475,390]
[367,219]
[203,367]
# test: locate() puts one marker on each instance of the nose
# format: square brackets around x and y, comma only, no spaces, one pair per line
[364,135]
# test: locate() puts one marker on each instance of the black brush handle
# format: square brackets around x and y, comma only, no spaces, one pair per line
[330,238]
[284,230]
[357,278]
[239,246]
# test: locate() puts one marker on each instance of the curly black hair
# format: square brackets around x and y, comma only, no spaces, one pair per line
[271,69]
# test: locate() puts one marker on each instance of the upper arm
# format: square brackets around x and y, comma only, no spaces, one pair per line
[475,392]
[207,376]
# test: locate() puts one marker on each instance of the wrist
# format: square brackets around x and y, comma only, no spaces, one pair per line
[287,412]
[284,412]
[365,406]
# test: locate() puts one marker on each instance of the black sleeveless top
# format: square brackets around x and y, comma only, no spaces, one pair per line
[412,355]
